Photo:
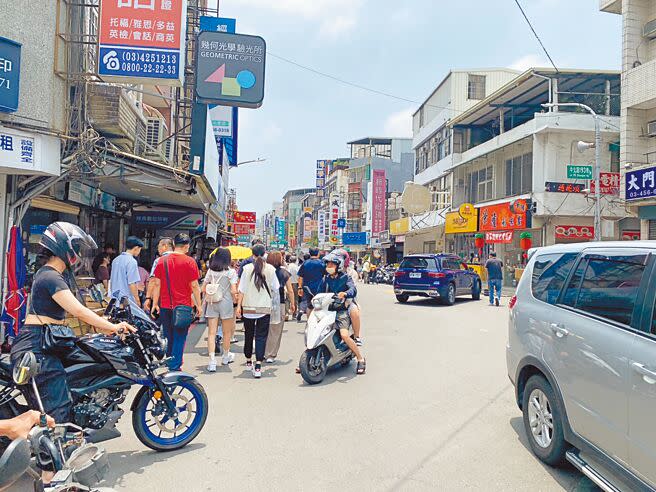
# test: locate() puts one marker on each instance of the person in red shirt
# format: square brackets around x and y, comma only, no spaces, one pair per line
[183,290]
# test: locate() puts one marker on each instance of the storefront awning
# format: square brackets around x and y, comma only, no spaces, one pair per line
[53,205]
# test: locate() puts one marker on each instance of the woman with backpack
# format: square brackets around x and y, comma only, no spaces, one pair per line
[257,285]
[220,291]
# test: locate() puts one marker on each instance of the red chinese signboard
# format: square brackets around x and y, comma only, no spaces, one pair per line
[581,233]
[610,184]
[246,217]
[243,229]
[630,235]
[505,216]
[379,202]
[499,237]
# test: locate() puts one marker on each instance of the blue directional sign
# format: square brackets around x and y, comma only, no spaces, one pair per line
[10,58]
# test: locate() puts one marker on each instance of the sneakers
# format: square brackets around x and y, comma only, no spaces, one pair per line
[496,302]
[228,358]
[257,370]
[211,367]
[233,340]
[358,341]
[270,360]
[249,364]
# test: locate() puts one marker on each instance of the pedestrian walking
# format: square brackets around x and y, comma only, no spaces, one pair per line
[366,268]
[164,247]
[494,268]
[219,293]
[292,268]
[257,285]
[125,278]
[285,291]
[175,294]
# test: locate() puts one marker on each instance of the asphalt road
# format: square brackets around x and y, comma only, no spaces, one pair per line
[435,411]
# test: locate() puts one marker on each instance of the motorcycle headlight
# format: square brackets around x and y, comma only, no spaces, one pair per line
[316,303]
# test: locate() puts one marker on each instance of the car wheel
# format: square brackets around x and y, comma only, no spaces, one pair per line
[450,298]
[542,421]
[402,298]
[476,290]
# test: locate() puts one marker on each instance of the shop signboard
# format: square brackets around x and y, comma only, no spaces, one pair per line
[575,171]
[630,235]
[142,40]
[321,173]
[281,230]
[90,196]
[379,202]
[500,217]
[169,219]
[499,237]
[16,151]
[355,238]
[245,217]
[558,187]
[384,237]
[610,184]
[230,69]
[218,24]
[10,61]
[581,233]
[640,183]
[456,223]
[399,226]
[334,217]
[321,215]
[242,229]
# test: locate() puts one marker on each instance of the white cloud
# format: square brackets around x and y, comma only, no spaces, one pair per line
[529,61]
[337,27]
[399,124]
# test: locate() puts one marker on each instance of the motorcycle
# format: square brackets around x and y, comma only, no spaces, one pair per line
[169,410]
[324,345]
[78,465]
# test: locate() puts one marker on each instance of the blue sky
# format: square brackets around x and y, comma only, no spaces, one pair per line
[402,48]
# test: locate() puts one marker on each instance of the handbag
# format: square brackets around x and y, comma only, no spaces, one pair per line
[58,339]
[182,315]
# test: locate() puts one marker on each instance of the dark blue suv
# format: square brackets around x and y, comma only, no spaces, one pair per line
[439,276]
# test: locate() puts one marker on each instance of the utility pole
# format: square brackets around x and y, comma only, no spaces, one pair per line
[597,166]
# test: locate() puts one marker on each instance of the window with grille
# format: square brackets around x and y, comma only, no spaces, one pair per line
[519,174]
[476,87]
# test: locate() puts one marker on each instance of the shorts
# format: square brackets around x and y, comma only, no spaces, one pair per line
[342,321]
[224,309]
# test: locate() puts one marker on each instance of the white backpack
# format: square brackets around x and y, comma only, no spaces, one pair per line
[216,291]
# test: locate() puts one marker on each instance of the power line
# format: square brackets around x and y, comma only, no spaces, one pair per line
[536,35]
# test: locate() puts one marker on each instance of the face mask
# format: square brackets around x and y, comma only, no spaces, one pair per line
[331,270]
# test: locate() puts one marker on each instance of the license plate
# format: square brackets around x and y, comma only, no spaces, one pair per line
[415,275]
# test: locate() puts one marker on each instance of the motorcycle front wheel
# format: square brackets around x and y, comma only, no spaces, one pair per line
[313,366]
[159,432]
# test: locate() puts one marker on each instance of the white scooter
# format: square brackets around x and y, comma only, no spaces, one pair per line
[324,345]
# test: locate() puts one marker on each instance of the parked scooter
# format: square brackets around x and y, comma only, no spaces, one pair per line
[324,345]
[77,464]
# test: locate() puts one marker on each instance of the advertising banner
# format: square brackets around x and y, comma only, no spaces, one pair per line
[457,224]
[142,40]
[379,202]
[499,237]
[502,217]
[88,195]
[579,233]
[10,60]
[640,183]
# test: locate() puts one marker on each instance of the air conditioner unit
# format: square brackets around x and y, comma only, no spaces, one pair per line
[156,131]
[649,30]
[651,129]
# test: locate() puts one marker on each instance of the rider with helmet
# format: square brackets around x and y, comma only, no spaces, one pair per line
[339,282]
[51,299]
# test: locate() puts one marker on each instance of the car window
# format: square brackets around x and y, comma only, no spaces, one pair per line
[549,275]
[419,262]
[608,286]
[450,264]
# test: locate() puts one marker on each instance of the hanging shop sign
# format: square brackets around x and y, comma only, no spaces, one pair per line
[579,172]
[142,40]
[16,151]
[379,202]
[246,217]
[384,237]
[282,233]
[169,220]
[243,229]
[321,215]
[355,238]
[630,235]
[92,197]
[334,217]
[499,237]
[230,69]
[558,187]
[640,183]
[10,61]
[455,223]
[467,211]
[321,173]
[574,232]
[610,184]
[399,226]
[501,217]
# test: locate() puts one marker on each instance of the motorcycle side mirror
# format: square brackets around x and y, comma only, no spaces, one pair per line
[26,369]
[14,462]
[110,306]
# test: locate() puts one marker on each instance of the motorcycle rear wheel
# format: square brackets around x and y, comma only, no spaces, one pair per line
[313,370]
[192,403]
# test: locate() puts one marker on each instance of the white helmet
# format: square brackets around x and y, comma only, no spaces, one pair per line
[338,258]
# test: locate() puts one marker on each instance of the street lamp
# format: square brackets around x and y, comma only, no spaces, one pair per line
[597,168]
[249,162]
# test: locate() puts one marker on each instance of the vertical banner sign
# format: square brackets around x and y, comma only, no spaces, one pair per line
[307,219]
[370,193]
[281,231]
[10,58]
[334,218]
[378,211]
[143,40]
[322,227]
[322,169]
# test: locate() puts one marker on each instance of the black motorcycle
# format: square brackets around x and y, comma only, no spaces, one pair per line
[168,411]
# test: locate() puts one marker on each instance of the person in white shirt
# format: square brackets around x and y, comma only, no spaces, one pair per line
[292,268]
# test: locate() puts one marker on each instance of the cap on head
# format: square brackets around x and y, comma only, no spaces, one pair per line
[133,242]
[181,239]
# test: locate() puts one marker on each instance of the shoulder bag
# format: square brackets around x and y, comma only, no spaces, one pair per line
[182,315]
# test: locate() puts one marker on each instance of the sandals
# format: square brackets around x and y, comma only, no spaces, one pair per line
[362,367]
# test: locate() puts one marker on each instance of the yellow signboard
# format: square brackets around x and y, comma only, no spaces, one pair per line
[456,223]
[399,226]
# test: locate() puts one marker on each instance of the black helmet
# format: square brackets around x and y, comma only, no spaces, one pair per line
[67,242]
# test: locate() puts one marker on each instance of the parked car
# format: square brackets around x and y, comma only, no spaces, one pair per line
[582,355]
[439,276]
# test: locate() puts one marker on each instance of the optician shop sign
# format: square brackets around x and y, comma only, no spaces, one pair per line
[10,59]
[143,39]
[640,183]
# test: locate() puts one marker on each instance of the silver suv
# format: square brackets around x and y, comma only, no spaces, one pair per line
[582,355]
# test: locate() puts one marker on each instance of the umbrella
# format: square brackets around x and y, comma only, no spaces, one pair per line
[15,300]
[240,252]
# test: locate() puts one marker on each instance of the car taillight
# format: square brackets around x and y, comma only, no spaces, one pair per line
[436,274]
[513,301]
[399,274]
